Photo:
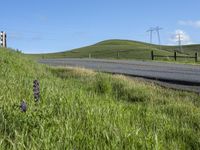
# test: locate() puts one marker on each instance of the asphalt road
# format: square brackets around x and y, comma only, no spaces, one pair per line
[177,76]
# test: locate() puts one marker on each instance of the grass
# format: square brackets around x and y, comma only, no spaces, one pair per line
[82,109]
[124,49]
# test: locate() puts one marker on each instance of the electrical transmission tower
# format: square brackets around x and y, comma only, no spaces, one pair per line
[157,29]
[179,36]
[151,32]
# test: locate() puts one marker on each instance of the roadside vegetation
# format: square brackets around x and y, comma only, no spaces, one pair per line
[82,109]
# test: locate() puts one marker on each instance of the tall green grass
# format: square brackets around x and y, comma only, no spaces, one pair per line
[81,109]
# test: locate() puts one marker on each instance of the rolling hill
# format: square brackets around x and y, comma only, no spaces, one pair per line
[122,49]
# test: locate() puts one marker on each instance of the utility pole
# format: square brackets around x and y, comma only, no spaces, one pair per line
[3,39]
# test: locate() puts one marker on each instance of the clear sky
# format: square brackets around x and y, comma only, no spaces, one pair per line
[38,26]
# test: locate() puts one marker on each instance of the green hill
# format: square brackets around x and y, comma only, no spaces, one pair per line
[121,49]
[82,109]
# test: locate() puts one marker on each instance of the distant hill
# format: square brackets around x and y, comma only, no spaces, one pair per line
[122,49]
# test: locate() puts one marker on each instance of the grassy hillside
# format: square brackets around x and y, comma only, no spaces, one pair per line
[82,109]
[121,49]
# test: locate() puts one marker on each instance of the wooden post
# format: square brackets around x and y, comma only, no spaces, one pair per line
[89,55]
[175,55]
[152,55]
[196,56]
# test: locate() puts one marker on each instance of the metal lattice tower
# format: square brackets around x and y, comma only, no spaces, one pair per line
[151,31]
[179,41]
[157,29]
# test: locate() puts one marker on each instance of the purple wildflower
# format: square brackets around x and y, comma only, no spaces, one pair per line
[23,106]
[36,90]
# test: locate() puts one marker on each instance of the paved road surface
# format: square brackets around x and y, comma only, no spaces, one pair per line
[178,76]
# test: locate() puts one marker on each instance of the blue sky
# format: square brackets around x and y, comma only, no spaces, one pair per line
[39,26]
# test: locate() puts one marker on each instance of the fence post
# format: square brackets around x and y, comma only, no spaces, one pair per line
[89,55]
[175,55]
[117,55]
[196,56]
[152,55]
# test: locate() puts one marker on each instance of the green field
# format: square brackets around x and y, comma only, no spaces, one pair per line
[82,109]
[124,49]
